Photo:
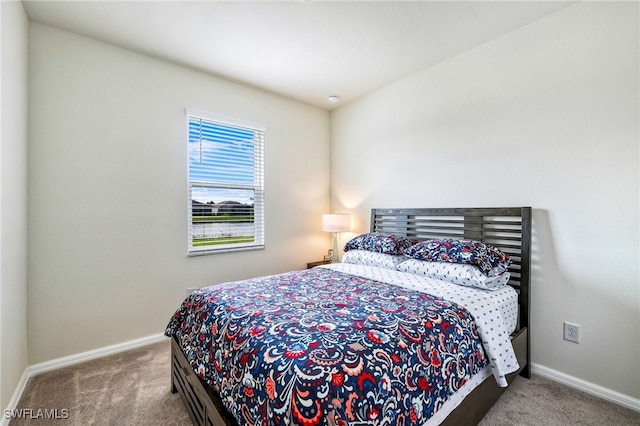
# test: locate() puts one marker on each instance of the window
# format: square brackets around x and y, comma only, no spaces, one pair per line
[226,184]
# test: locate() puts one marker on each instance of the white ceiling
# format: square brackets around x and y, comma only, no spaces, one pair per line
[304,50]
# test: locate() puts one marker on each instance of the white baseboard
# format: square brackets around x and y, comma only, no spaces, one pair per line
[587,387]
[35,369]
[96,353]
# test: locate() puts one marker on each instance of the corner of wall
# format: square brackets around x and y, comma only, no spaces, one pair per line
[13,205]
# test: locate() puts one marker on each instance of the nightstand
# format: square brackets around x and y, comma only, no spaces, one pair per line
[320,262]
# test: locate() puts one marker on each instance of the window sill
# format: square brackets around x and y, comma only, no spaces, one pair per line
[224,250]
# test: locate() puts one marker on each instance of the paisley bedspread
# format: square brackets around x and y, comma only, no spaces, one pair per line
[322,347]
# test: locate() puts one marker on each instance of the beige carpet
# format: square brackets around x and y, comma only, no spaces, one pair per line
[130,388]
[539,401]
[133,388]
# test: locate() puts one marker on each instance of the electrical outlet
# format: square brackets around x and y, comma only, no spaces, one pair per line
[571,332]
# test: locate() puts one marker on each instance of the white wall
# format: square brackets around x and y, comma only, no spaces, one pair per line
[546,116]
[13,198]
[108,195]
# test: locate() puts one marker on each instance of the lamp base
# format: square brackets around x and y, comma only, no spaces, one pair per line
[335,257]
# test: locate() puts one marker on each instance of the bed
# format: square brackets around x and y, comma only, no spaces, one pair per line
[384,345]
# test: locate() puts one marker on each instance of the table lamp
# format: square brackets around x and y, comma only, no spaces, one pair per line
[336,222]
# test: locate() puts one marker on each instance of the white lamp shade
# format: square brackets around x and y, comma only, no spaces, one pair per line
[336,222]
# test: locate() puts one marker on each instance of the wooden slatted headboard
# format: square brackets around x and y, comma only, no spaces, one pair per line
[506,228]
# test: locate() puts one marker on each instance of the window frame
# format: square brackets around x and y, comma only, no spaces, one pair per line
[257,186]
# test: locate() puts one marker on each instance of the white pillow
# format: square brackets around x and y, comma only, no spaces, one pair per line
[372,258]
[456,273]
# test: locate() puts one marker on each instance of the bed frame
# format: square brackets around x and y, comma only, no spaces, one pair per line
[506,228]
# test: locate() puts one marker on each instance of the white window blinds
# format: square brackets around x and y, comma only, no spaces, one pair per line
[226,183]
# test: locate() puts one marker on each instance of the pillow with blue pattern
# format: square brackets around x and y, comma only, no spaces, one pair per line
[380,242]
[490,260]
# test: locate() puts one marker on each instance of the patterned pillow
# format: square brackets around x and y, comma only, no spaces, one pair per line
[456,273]
[379,242]
[490,260]
[372,258]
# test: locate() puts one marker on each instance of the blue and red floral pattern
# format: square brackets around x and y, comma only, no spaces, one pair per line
[321,347]
[490,260]
[379,242]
